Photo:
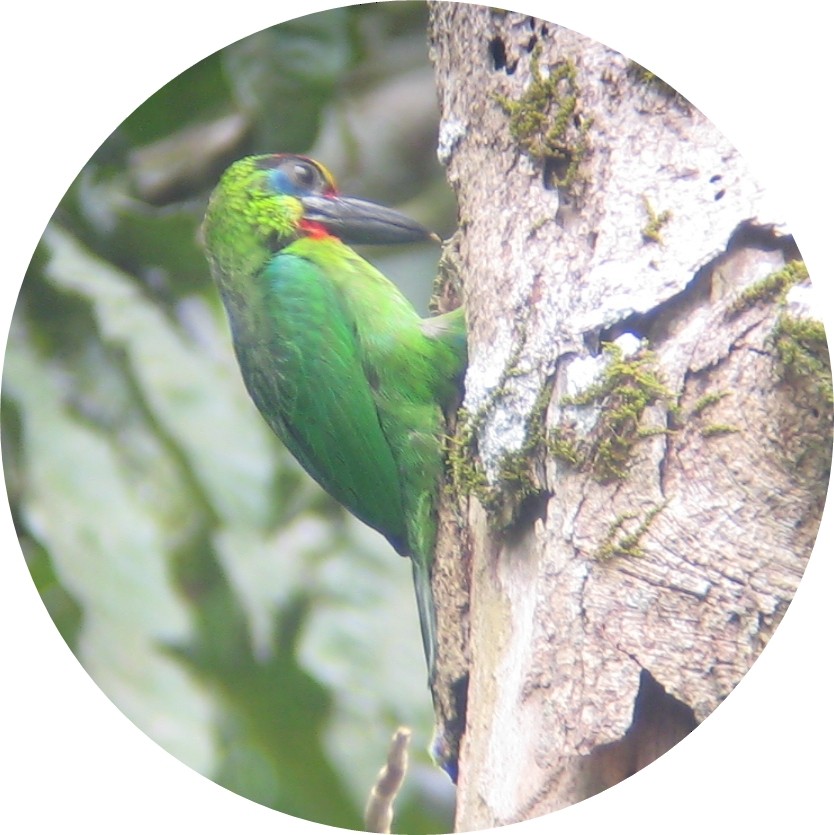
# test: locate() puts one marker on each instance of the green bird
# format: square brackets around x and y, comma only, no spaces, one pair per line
[341,366]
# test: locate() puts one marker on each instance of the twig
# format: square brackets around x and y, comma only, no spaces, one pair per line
[380,809]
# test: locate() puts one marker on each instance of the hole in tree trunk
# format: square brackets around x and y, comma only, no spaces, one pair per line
[660,722]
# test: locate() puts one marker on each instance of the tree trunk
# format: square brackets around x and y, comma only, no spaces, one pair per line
[639,467]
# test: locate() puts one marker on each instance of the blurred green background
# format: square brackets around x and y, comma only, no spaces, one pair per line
[226,605]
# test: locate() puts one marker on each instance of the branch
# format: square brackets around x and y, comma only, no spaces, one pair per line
[380,809]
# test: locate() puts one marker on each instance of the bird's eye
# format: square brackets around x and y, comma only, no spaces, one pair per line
[304,175]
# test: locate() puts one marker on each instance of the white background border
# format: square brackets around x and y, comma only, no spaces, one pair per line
[72,73]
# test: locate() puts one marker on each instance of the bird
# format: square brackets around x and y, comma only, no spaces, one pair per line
[338,362]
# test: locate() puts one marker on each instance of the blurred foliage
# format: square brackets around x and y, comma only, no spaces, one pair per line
[221,600]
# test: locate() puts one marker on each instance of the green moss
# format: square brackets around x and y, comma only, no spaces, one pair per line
[719,429]
[545,123]
[626,387]
[651,231]
[563,445]
[622,542]
[771,288]
[467,472]
[646,78]
[536,434]
[516,478]
[652,431]
[713,429]
[514,475]
[802,351]
[540,223]
[703,403]
[803,366]
[516,472]
[467,475]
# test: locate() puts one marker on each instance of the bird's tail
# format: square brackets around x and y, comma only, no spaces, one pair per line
[426,610]
[422,535]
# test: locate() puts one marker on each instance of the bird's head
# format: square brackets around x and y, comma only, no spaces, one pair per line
[282,197]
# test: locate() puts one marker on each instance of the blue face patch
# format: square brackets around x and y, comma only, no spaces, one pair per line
[296,177]
[281,183]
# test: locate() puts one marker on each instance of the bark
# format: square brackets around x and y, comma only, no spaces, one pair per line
[609,565]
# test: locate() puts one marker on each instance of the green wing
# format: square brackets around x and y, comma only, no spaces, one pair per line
[306,377]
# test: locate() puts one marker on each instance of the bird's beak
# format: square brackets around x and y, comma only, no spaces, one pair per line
[357,221]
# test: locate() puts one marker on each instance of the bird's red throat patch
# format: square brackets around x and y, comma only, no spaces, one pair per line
[314,230]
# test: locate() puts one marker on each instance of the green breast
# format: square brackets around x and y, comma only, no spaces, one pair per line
[296,342]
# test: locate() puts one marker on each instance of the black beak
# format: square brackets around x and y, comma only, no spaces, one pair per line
[356,221]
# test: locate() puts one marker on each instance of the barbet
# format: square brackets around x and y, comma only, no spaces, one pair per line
[341,366]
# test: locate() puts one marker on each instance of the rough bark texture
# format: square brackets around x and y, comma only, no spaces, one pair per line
[612,565]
